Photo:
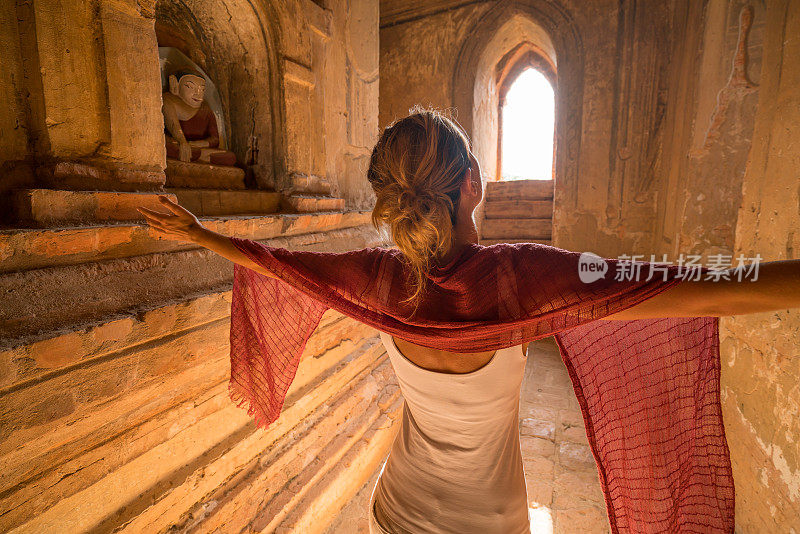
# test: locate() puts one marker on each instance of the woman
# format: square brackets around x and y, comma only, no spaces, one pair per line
[456,465]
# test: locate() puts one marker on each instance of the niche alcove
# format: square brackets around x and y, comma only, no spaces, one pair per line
[230,170]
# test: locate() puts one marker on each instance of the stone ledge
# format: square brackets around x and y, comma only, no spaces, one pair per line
[519,190]
[347,465]
[517,228]
[253,462]
[42,301]
[352,517]
[518,209]
[218,202]
[310,203]
[51,207]
[306,183]
[99,173]
[300,183]
[37,248]
[270,493]
[35,359]
[203,176]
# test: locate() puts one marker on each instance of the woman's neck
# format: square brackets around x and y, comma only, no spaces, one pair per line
[463,235]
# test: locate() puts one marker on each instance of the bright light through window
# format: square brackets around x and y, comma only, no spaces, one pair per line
[528,122]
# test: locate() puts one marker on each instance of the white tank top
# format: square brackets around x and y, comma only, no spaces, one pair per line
[456,464]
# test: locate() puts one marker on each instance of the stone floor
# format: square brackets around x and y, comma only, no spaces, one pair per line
[564,493]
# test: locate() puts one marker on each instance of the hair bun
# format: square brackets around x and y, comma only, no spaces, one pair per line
[409,197]
[416,170]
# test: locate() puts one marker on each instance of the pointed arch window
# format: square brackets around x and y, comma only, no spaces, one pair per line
[526,116]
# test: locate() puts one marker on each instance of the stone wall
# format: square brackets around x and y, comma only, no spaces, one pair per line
[114,364]
[83,84]
[732,188]
[114,408]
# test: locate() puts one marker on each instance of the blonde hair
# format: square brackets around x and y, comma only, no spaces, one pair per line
[416,170]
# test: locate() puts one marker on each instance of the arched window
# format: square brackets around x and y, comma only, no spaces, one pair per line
[527,118]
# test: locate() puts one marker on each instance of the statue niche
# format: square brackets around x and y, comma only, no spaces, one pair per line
[190,125]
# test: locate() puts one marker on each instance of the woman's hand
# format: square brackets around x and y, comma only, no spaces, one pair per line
[182,225]
[179,224]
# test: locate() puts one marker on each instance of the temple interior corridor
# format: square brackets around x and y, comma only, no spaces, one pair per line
[675,133]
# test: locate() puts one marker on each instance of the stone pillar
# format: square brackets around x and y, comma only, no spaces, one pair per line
[133,86]
[330,100]
[305,142]
[97,123]
[361,38]
[304,98]
[13,112]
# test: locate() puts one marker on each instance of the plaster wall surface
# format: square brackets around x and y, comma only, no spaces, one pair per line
[708,153]
[732,189]
[761,356]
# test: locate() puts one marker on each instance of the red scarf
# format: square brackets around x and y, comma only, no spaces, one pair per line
[648,388]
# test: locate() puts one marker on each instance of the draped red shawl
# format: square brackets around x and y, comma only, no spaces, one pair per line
[648,388]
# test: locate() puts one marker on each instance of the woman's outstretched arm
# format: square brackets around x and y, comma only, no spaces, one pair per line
[180,224]
[777,287]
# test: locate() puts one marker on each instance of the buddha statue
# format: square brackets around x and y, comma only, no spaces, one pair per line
[191,127]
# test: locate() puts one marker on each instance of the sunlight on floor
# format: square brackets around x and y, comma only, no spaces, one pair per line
[528,125]
[561,476]
[541,520]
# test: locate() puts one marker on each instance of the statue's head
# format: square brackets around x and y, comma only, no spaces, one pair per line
[189,86]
